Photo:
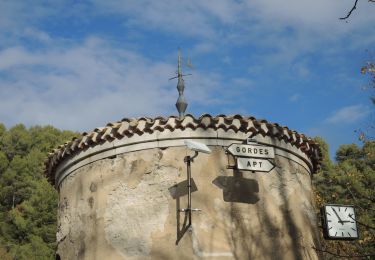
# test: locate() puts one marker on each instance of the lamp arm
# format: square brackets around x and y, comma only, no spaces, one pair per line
[190,158]
[195,155]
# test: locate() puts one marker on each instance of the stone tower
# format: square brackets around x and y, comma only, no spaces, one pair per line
[122,187]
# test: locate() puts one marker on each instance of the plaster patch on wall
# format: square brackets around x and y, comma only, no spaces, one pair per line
[278,186]
[62,230]
[309,211]
[72,225]
[133,214]
[303,180]
[220,209]
[200,253]
[206,222]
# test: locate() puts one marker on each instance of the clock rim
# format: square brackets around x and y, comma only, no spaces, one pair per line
[325,223]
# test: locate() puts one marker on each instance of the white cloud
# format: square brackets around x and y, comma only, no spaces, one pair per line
[290,29]
[183,17]
[82,86]
[91,82]
[203,47]
[313,15]
[227,60]
[87,85]
[242,82]
[36,34]
[204,18]
[255,69]
[294,97]
[349,114]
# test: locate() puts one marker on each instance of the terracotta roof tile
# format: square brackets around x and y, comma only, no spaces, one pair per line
[128,127]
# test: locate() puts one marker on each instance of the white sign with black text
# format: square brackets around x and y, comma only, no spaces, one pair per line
[254,151]
[254,164]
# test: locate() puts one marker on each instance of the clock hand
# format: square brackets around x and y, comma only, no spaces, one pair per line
[351,216]
[340,220]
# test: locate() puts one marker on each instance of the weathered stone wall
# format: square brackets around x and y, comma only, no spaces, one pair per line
[126,207]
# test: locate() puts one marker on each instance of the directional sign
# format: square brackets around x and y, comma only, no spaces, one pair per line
[248,150]
[254,164]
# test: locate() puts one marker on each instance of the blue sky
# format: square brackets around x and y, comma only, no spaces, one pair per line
[81,64]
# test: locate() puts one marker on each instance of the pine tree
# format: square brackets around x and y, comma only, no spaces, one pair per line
[28,203]
[350,181]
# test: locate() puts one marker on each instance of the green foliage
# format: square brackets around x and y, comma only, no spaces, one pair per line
[2,129]
[326,161]
[348,152]
[350,181]
[368,132]
[28,203]
[3,162]
[4,254]
[16,141]
[35,249]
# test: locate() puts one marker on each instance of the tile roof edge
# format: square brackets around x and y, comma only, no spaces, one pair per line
[262,126]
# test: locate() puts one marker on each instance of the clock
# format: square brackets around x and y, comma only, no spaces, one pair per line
[339,222]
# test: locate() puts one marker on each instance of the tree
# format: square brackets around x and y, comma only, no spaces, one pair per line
[4,255]
[368,133]
[350,181]
[15,141]
[369,69]
[28,203]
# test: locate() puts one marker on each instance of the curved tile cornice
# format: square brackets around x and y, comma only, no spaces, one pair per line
[128,128]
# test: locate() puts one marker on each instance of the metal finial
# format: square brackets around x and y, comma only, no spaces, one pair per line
[181,103]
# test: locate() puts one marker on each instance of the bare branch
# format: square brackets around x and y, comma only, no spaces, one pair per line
[362,224]
[343,256]
[367,226]
[350,12]
[363,197]
[353,8]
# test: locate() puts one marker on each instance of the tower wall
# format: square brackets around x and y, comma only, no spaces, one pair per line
[121,199]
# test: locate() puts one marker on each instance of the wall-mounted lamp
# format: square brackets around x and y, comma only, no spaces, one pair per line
[197,148]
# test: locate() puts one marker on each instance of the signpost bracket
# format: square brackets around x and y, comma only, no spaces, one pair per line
[251,140]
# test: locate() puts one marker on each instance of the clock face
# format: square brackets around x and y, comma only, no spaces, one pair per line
[340,222]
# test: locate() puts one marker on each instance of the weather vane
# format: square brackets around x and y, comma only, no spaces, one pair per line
[181,103]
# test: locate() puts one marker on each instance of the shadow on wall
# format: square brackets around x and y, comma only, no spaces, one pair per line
[238,189]
[177,191]
[254,243]
[181,189]
[235,189]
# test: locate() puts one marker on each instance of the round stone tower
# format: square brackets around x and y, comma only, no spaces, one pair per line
[123,190]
